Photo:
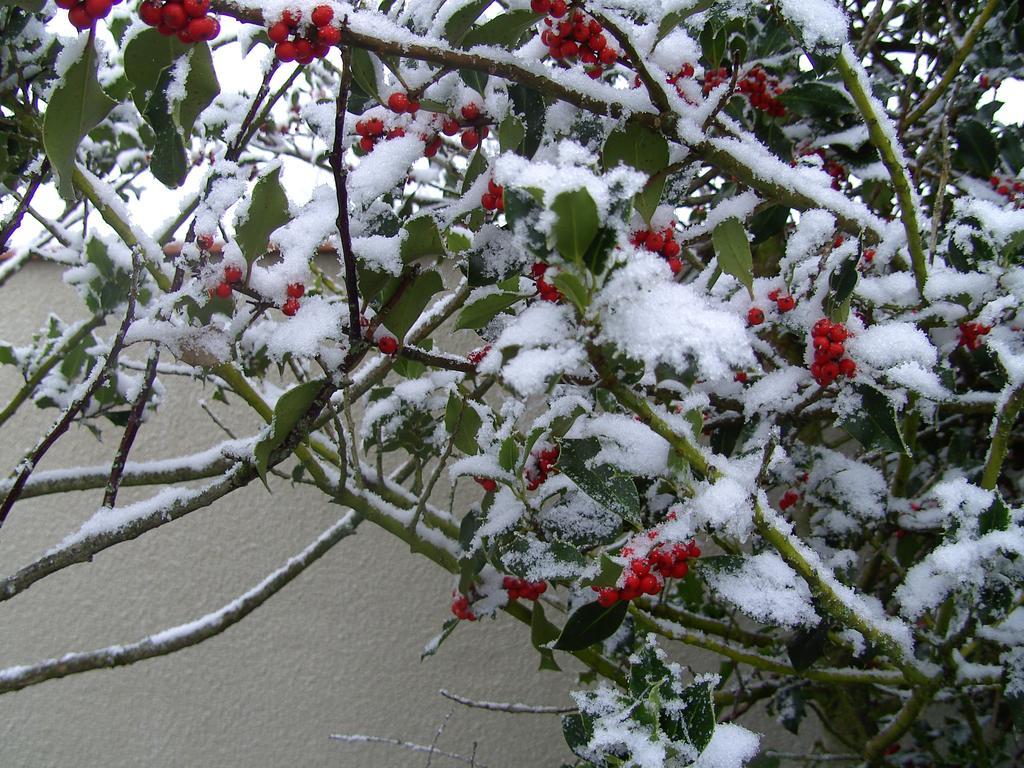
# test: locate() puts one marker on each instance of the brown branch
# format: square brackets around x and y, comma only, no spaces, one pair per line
[340,169]
[30,191]
[132,429]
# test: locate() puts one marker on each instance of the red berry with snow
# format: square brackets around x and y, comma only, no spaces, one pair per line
[388,345]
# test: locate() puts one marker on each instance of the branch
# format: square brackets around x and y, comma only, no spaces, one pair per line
[131,429]
[340,169]
[183,635]
[935,93]
[885,141]
[83,395]
[516,709]
[30,191]
[1001,433]
[358,738]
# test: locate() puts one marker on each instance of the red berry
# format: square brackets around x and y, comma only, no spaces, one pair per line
[98,9]
[296,290]
[640,567]
[847,367]
[470,138]
[80,17]
[232,274]
[789,498]
[679,569]
[540,6]
[786,303]
[655,242]
[607,597]
[486,483]
[150,13]
[450,126]
[488,201]
[558,8]
[741,377]
[291,18]
[205,241]
[649,585]
[279,32]
[322,15]
[838,333]
[290,307]
[398,102]
[822,327]
[388,345]
[675,265]
[755,316]
[538,269]
[366,143]
[204,29]
[196,8]
[223,290]
[286,51]
[329,35]
[671,249]
[608,56]
[174,16]
[471,111]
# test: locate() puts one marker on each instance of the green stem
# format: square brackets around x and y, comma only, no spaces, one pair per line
[935,93]
[1001,438]
[901,723]
[887,146]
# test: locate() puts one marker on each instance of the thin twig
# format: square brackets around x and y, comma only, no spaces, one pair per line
[516,709]
[358,738]
[131,430]
[183,635]
[30,191]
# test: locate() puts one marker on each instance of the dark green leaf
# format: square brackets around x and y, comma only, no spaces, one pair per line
[482,311]
[578,731]
[508,455]
[459,22]
[841,283]
[877,422]
[504,30]
[613,490]
[713,39]
[422,241]
[577,223]
[733,252]
[474,79]
[699,714]
[77,105]
[146,56]
[976,148]
[591,624]
[288,412]
[511,133]
[995,518]
[609,574]
[462,422]
[542,632]
[446,629]
[410,306]
[364,71]
[806,646]
[817,99]
[639,147]
[268,210]
[573,289]
[530,108]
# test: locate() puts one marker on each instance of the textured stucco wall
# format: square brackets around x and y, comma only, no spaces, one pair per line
[336,651]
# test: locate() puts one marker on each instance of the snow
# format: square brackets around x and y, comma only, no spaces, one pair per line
[658,321]
[625,443]
[889,344]
[820,22]
[731,746]
[766,589]
[379,172]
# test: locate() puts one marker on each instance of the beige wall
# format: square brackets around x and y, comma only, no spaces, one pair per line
[336,651]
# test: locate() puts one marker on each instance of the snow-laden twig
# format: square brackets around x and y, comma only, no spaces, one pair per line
[183,635]
[358,738]
[517,709]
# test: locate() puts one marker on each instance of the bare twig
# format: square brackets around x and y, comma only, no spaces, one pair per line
[15,220]
[357,738]
[516,709]
[183,635]
[131,430]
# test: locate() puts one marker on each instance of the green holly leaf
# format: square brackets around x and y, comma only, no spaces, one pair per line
[77,105]
[288,412]
[733,252]
[577,224]
[589,624]
[268,210]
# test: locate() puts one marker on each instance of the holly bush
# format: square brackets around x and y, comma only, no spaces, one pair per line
[744,282]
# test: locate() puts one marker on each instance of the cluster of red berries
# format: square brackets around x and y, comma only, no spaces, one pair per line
[460,607]
[685,73]
[232,277]
[714,78]
[295,292]
[528,590]
[473,132]
[1008,187]
[188,19]
[971,333]
[540,466]
[784,302]
[578,37]
[494,198]
[291,44]
[370,131]
[401,104]
[762,91]
[663,242]
[546,290]
[84,13]
[829,361]
[647,575]
[789,498]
